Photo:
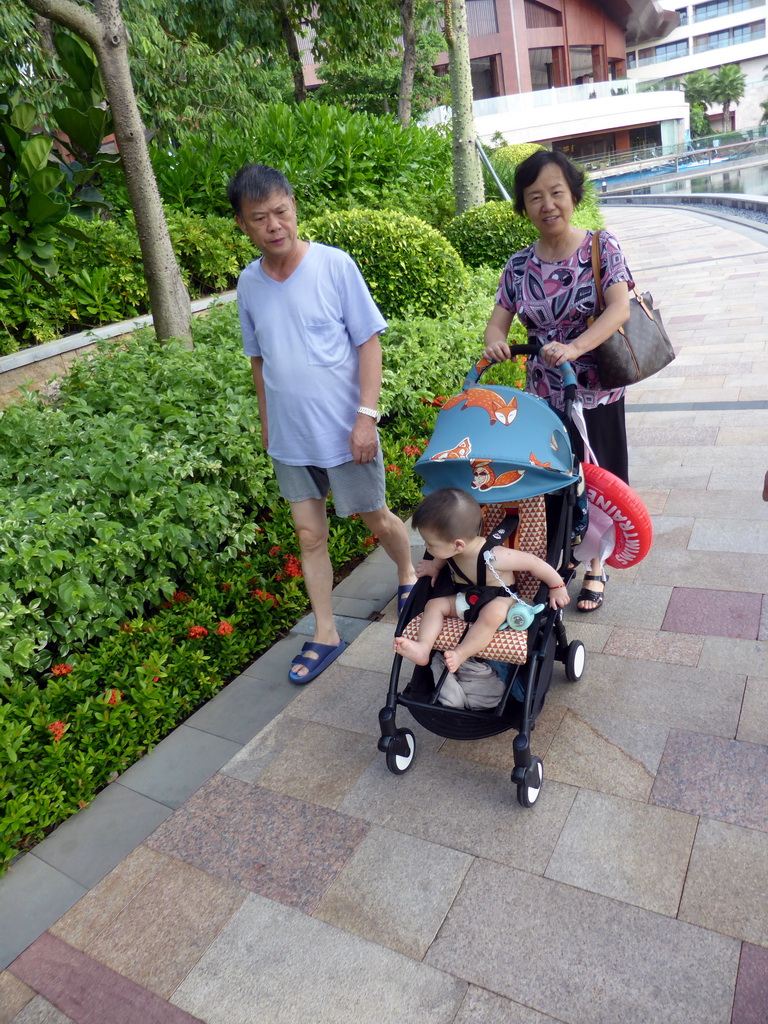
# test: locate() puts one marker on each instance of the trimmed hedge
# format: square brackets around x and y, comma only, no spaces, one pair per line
[488,235]
[409,266]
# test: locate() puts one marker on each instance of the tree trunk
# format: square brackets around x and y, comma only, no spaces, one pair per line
[103,29]
[405,95]
[292,46]
[727,116]
[468,185]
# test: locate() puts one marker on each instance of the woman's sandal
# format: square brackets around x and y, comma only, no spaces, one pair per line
[594,596]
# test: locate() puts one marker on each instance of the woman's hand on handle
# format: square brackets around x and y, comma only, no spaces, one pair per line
[496,345]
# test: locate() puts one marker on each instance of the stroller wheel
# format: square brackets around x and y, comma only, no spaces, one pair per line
[574,661]
[400,751]
[528,792]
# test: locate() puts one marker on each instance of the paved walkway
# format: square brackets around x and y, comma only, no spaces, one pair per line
[261,866]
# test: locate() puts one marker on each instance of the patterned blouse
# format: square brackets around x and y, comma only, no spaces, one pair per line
[554,302]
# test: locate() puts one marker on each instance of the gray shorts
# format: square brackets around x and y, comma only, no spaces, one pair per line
[356,488]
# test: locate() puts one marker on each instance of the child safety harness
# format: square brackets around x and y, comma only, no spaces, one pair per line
[479,594]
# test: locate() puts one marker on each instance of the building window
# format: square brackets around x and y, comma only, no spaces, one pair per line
[540,16]
[682,12]
[719,8]
[547,65]
[481,18]
[484,77]
[662,52]
[581,64]
[729,37]
[631,59]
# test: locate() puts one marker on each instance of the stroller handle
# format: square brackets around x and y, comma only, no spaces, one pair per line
[476,372]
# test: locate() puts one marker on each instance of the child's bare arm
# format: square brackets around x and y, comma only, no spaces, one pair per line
[511,560]
[430,567]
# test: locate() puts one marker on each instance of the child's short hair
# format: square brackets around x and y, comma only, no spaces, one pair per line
[451,513]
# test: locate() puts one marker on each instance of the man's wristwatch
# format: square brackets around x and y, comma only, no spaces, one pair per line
[370,412]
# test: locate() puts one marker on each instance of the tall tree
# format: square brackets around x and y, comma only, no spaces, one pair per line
[102,27]
[467,171]
[405,95]
[728,84]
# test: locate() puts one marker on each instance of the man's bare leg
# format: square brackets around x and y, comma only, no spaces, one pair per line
[311,521]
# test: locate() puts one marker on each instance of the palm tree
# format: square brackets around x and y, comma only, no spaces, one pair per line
[728,85]
[698,87]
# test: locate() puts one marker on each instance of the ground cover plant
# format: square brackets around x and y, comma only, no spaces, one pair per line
[144,558]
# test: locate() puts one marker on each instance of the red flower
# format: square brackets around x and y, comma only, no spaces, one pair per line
[392,468]
[226,587]
[224,628]
[262,595]
[181,598]
[61,670]
[115,696]
[279,577]
[275,551]
[368,542]
[197,632]
[126,627]
[57,728]
[292,566]
[355,515]
[412,449]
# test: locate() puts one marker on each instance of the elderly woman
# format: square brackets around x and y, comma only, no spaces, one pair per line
[551,288]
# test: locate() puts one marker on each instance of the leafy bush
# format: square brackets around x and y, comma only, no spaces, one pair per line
[488,235]
[211,250]
[144,556]
[504,160]
[408,265]
[332,156]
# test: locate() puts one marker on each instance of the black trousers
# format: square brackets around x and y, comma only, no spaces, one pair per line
[607,433]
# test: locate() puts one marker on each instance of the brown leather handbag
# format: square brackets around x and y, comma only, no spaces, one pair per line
[640,347]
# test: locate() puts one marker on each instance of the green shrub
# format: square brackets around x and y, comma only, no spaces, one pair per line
[408,265]
[504,161]
[211,250]
[488,235]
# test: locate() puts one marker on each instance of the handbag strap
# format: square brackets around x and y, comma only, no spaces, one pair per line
[597,271]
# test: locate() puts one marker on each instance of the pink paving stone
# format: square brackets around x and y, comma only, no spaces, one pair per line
[275,845]
[89,992]
[750,1004]
[713,613]
[713,777]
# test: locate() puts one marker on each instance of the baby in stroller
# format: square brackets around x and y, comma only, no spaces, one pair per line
[450,523]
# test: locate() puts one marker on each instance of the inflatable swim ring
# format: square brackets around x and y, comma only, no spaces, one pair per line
[634,529]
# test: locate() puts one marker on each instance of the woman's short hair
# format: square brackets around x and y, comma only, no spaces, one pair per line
[451,513]
[528,171]
[256,182]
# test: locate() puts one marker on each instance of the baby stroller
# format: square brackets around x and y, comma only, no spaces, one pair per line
[512,452]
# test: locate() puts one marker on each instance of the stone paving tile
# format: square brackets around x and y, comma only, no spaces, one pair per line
[275,845]
[713,613]
[14,996]
[701,569]
[256,756]
[720,654]
[654,500]
[716,505]
[684,436]
[372,650]
[424,802]
[580,957]
[496,751]
[625,850]
[89,992]
[649,645]
[40,1011]
[320,765]
[481,1007]
[743,535]
[632,604]
[101,905]
[751,997]
[606,754]
[672,531]
[714,777]
[275,965]
[762,633]
[670,696]
[753,723]
[348,697]
[395,890]
[166,928]
[727,881]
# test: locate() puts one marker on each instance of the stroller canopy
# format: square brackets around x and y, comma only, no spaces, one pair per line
[499,444]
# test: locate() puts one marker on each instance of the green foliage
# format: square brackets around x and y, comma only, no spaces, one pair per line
[408,265]
[332,156]
[144,557]
[489,234]
[505,160]
[211,251]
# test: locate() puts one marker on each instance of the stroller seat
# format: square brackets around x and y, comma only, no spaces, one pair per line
[508,645]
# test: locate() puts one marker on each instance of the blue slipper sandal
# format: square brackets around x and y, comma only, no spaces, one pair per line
[326,653]
[403,593]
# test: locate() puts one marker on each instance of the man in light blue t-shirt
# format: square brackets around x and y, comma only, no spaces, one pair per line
[312,330]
